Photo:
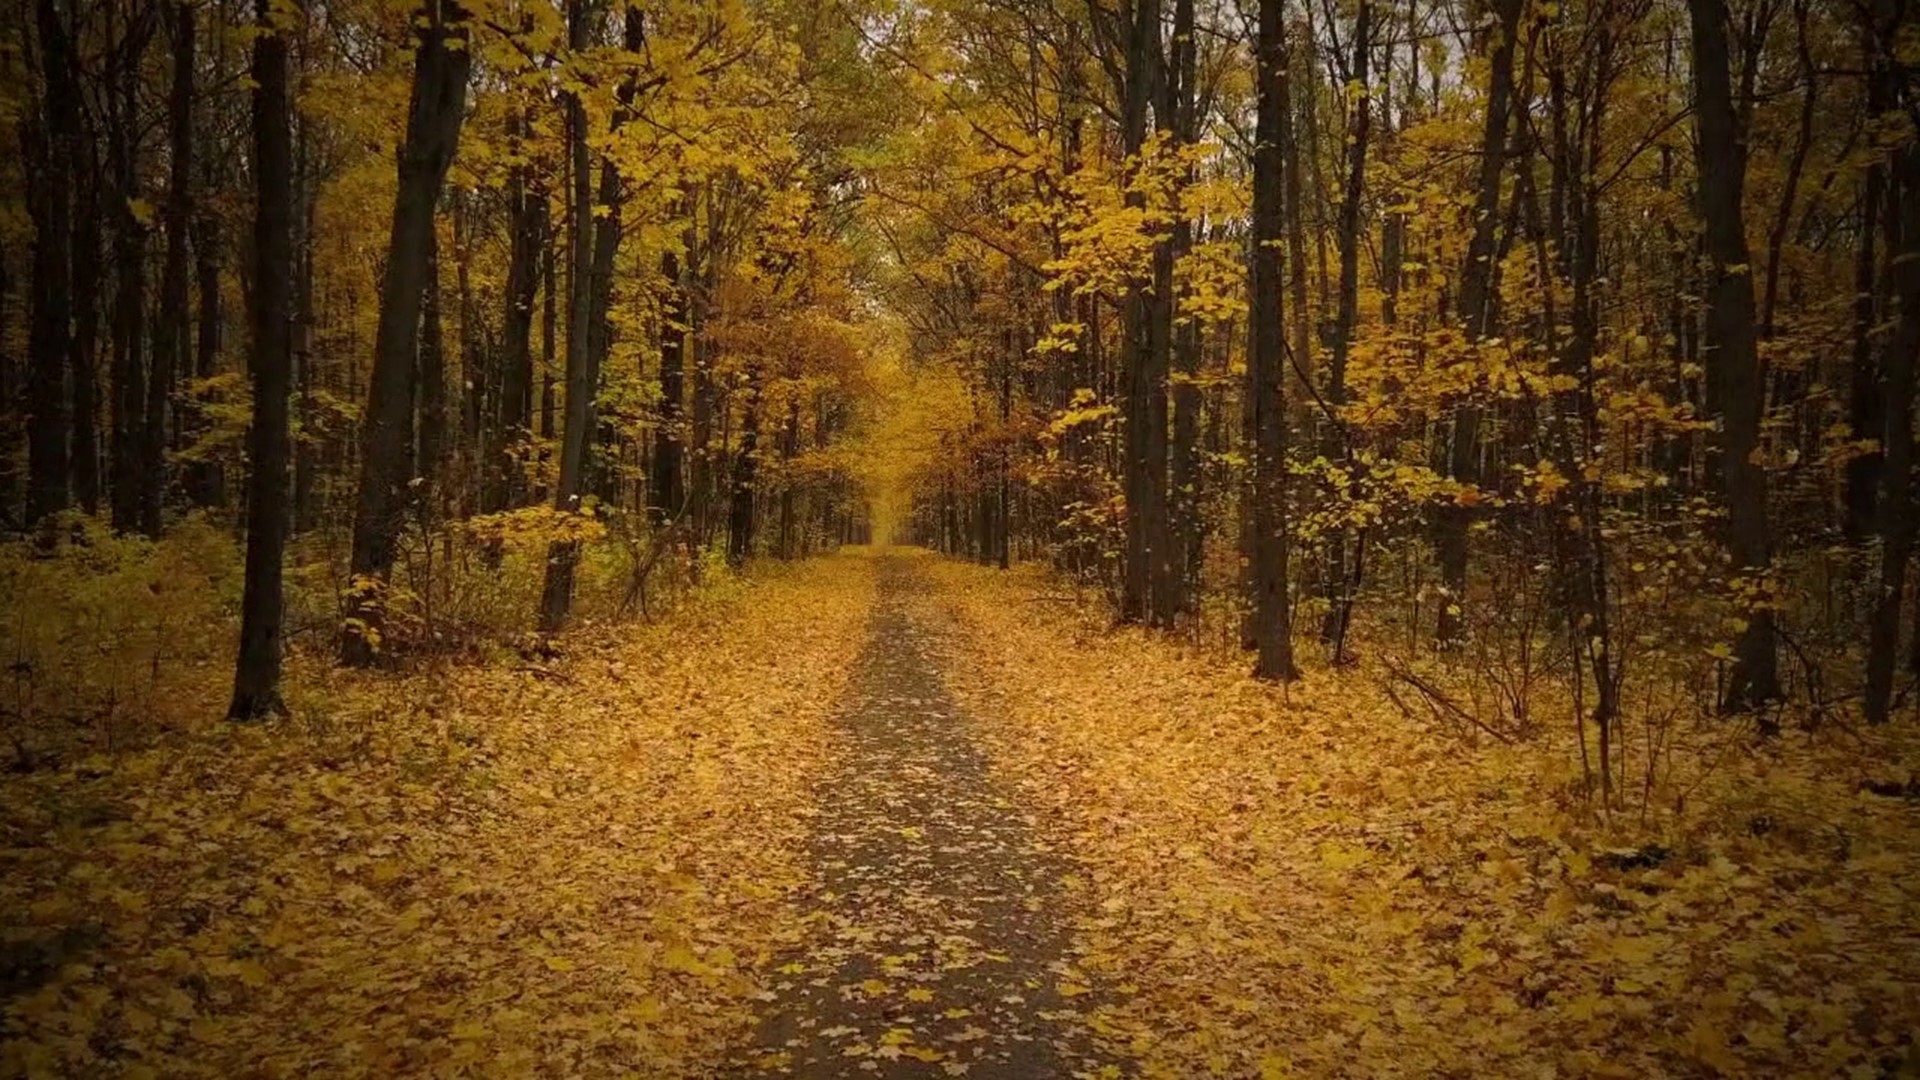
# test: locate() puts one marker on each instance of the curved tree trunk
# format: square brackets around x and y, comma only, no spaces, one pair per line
[434,116]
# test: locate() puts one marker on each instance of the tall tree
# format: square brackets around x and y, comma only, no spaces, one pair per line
[1896,498]
[1734,359]
[594,240]
[171,328]
[256,679]
[1266,371]
[1475,306]
[436,109]
[49,160]
[132,473]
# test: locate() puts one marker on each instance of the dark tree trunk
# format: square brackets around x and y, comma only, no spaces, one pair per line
[1476,293]
[256,681]
[435,113]
[306,450]
[85,344]
[592,249]
[432,427]
[789,449]
[205,485]
[133,474]
[549,319]
[1754,679]
[527,220]
[1897,390]
[1865,407]
[1340,583]
[1183,487]
[1147,341]
[665,494]
[49,155]
[746,467]
[171,329]
[1266,371]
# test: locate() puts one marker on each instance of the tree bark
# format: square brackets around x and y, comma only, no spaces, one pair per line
[1266,372]
[132,473]
[1340,585]
[435,112]
[1896,498]
[172,327]
[48,151]
[593,248]
[256,680]
[1754,679]
[665,489]
[1476,288]
[527,220]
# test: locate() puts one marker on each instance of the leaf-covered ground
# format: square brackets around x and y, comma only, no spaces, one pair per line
[901,817]
[565,868]
[934,944]
[1297,880]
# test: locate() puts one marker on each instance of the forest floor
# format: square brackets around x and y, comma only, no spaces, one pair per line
[882,814]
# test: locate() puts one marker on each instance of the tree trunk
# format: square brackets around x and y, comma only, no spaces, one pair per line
[592,249]
[50,162]
[256,680]
[432,427]
[1896,497]
[1476,281]
[665,489]
[132,472]
[85,343]
[1266,371]
[171,328]
[1865,407]
[511,425]
[435,112]
[1340,585]
[746,465]
[1730,318]
[1147,340]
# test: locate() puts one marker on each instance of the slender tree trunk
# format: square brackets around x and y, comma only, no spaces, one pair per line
[1476,295]
[1183,459]
[746,465]
[85,342]
[435,112]
[132,472]
[1865,407]
[1897,511]
[50,161]
[171,328]
[306,449]
[1145,371]
[665,490]
[205,485]
[1339,585]
[511,426]
[432,427]
[256,680]
[1272,615]
[593,248]
[1754,679]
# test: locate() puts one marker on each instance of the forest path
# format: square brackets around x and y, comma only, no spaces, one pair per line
[932,947]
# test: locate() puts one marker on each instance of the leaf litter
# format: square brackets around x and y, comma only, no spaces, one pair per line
[481,870]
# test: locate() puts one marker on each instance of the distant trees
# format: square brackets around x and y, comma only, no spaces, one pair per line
[384,416]
[1580,306]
